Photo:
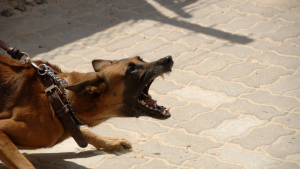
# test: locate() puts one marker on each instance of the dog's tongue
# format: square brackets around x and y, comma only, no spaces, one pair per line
[149,101]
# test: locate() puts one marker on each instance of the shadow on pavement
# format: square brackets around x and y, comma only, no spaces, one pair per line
[70,160]
[53,26]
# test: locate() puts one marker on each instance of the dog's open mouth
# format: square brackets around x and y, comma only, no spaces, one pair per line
[146,101]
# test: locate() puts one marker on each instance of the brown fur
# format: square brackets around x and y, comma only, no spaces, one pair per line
[27,120]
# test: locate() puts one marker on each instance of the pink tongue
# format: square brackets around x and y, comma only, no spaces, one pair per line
[149,101]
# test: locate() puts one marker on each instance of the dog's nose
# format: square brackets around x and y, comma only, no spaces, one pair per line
[168,59]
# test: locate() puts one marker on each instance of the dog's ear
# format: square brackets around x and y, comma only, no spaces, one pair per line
[91,85]
[99,64]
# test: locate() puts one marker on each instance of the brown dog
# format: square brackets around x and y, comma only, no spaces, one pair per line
[116,89]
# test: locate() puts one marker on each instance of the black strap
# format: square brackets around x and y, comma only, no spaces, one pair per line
[58,102]
[62,111]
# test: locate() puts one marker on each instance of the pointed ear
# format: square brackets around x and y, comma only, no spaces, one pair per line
[99,64]
[91,85]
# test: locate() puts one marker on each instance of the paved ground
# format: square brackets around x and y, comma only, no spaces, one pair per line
[234,92]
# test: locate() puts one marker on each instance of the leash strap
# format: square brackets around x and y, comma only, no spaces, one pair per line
[55,96]
[12,51]
[62,110]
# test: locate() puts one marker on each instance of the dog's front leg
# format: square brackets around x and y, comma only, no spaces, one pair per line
[10,155]
[108,143]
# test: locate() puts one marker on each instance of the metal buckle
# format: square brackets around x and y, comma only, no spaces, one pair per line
[52,87]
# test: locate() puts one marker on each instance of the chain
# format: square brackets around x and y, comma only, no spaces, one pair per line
[43,69]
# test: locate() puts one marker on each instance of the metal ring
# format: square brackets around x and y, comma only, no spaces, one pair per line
[28,60]
[45,69]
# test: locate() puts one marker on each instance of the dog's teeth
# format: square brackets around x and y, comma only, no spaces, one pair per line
[143,103]
[164,112]
[149,96]
[162,76]
[168,109]
[147,106]
[167,73]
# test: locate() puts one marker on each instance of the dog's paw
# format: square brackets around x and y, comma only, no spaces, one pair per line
[114,143]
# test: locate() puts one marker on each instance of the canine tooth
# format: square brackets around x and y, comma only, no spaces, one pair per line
[168,109]
[168,73]
[164,112]
[162,76]
[143,103]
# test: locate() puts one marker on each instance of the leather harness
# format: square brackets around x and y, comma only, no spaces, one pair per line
[56,97]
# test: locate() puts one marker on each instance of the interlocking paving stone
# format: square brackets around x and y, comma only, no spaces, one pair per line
[182,77]
[290,15]
[262,44]
[184,114]
[233,128]
[144,47]
[289,4]
[224,115]
[264,76]
[294,41]
[78,161]
[207,120]
[192,58]
[252,160]
[286,165]
[171,49]
[294,157]
[230,89]
[262,136]
[190,39]
[241,23]
[122,42]
[252,8]
[163,87]
[291,120]
[155,164]
[263,97]
[269,57]
[145,128]
[294,93]
[122,161]
[236,50]
[285,146]
[174,155]
[263,29]
[287,49]
[212,163]
[195,143]
[213,64]
[260,111]
[219,17]
[284,84]
[286,32]
[238,70]
[209,98]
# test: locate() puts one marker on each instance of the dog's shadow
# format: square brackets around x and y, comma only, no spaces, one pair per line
[69,160]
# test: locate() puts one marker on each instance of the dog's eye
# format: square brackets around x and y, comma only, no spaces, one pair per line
[131,69]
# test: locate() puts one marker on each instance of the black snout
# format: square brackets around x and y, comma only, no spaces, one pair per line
[167,60]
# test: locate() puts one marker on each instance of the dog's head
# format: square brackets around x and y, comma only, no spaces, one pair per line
[121,87]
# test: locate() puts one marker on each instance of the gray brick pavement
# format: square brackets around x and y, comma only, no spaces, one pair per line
[234,92]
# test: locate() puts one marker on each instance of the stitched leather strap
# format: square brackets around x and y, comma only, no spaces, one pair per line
[12,51]
[62,111]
